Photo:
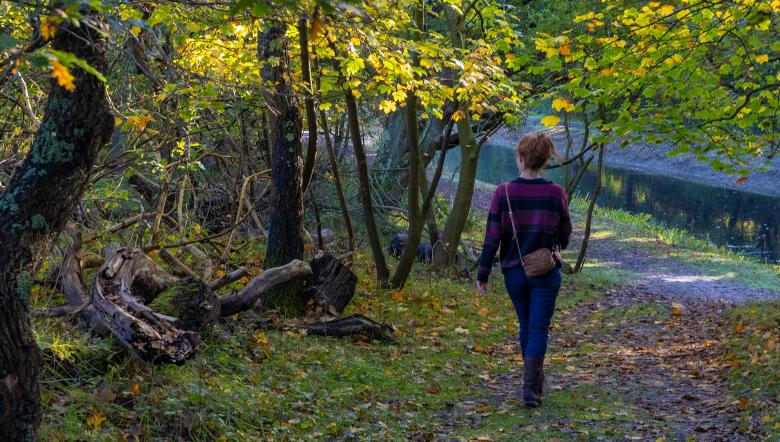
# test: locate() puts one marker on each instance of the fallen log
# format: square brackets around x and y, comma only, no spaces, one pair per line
[267,280]
[354,325]
[124,280]
[73,288]
[229,278]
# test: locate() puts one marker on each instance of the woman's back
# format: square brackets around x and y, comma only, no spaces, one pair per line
[541,217]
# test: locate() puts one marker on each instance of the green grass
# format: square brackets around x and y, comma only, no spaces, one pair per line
[284,386]
[268,385]
[641,234]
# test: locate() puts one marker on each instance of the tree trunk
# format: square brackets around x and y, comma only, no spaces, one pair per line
[334,169]
[285,231]
[311,116]
[416,219]
[34,208]
[456,220]
[382,272]
[591,207]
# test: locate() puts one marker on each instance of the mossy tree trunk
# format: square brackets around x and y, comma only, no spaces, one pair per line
[34,208]
[285,231]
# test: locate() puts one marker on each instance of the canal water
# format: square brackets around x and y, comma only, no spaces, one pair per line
[745,222]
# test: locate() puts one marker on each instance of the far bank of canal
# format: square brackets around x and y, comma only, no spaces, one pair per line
[743,221]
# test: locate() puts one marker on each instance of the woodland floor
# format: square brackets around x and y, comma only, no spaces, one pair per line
[656,344]
[662,337]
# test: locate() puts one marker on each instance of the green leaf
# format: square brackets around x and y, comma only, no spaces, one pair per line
[7,42]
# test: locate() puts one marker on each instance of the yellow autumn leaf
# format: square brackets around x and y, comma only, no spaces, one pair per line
[63,76]
[197,229]
[48,28]
[562,104]
[545,46]
[607,72]
[96,419]
[387,106]
[139,122]
[355,41]
[17,131]
[666,10]
[135,30]
[762,58]
[565,49]
[550,120]
[315,29]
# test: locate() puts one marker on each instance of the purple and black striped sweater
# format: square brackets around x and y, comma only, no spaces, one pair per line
[541,212]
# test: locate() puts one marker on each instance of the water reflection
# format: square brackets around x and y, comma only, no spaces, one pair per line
[743,221]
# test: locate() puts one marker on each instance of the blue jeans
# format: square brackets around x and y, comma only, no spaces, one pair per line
[534,301]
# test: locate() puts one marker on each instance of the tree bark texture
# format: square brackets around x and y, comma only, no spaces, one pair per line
[285,231]
[34,208]
[333,284]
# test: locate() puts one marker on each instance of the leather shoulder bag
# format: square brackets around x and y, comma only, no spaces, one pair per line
[536,263]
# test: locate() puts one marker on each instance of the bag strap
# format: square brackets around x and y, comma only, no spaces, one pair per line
[512,221]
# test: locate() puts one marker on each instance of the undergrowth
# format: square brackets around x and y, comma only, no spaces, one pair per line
[247,383]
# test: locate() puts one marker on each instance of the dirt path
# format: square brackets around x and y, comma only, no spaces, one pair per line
[655,345]
[662,275]
[664,366]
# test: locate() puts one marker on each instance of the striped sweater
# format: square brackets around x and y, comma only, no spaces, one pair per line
[541,213]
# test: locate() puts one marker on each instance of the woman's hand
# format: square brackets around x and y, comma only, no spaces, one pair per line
[482,287]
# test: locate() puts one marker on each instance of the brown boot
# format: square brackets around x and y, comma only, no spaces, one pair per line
[531,382]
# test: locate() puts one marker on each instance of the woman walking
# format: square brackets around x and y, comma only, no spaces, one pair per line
[528,219]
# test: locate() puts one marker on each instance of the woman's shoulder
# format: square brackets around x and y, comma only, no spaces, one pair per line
[542,185]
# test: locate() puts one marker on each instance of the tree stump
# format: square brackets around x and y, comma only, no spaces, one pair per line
[124,278]
[191,302]
[332,283]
